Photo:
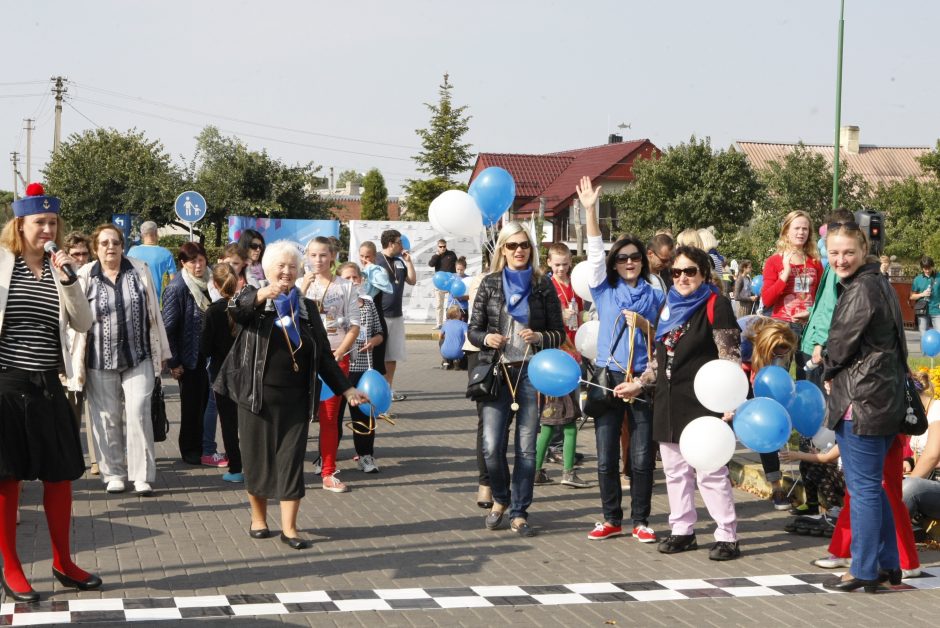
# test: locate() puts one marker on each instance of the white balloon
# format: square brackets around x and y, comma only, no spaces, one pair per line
[455,211]
[824,439]
[580,278]
[721,385]
[585,340]
[707,443]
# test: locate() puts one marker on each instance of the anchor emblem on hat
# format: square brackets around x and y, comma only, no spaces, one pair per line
[45,204]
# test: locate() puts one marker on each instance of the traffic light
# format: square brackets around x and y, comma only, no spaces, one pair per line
[872,223]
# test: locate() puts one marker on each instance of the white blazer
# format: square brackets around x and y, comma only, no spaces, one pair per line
[73,308]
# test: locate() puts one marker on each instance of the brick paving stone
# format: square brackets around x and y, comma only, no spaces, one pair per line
[415,524]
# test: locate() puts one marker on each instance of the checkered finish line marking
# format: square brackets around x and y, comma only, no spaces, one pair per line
[119,610]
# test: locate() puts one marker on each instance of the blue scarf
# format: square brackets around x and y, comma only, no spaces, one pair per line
[287,307]
[517,284]
[611,301]
[680,309]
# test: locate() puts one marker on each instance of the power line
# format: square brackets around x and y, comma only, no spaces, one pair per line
[67,102]
[237,133]
[21,95]
[240,120]
[23,83]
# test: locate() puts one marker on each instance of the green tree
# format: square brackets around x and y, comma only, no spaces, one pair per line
[800,180]
[420,193]
[912,217]
[6,205]
[443,153]
[374,196]
[689,185]
[350,176]
[103,171]
[930,161]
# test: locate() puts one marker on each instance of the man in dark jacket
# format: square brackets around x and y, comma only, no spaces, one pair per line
[446,261]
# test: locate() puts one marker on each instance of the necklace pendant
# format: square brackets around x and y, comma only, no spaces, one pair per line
[296,368]
[514,406]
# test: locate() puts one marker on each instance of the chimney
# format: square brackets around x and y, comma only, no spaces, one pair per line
[348,191]
[848,139]
[613,138]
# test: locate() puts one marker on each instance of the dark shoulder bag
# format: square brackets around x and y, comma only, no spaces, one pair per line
[485,381]
[161,424]
[600,396]
[915,418]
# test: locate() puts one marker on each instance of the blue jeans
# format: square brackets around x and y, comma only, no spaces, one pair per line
[642,460]
[209,445]
[496,417]
[874,543]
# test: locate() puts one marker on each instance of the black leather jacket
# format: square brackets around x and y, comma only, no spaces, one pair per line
[491,317]
[864,362]
[242,373]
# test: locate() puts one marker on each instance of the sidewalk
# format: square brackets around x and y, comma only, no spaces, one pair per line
[412,537]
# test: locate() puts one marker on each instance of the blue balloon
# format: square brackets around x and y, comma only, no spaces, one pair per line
[375,386]
[494,190]
[457,287]
[762,425]
[325,391]
[808,408]
[554,373]
[405,243]
[442,279]
[757,284]
[930,343]
[775,382]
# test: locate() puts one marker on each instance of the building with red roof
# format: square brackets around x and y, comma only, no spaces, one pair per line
[548,181]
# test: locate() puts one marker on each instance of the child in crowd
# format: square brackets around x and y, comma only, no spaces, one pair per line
[370,336]
[453,335]
[821,474]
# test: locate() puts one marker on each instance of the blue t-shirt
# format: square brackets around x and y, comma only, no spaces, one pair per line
[158,259]
[455,333]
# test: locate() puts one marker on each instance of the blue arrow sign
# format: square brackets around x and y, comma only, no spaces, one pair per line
[190,206]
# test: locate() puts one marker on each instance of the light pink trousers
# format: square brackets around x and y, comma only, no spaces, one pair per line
[715,488]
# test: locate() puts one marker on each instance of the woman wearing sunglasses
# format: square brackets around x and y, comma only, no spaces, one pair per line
[621,290]
[516,312]
[696,326]
[253,242]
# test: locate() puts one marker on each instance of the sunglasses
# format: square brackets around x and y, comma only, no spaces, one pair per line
[255,246]
[850,225]
[512,246]
[79,253]
[633,257]
[106,243]
[691,271]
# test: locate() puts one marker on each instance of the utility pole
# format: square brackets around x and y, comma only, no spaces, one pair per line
[59,89]
[14,157]
[29,148]
[835,146]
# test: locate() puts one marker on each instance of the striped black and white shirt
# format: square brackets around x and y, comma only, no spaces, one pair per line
[30,338]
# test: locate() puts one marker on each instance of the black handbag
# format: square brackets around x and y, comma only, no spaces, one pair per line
[161,424]
[915,420]
[485,381]
[600,395]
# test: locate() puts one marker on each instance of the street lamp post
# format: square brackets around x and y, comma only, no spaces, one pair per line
[835,146]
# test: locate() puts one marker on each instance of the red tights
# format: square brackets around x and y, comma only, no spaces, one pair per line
[329,427]
[57,504]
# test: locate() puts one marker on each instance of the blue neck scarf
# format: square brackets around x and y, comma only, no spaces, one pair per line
[680,309]
[287,307]
[517,284]
[638,298]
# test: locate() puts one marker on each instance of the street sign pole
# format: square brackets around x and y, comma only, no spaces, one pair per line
[190,208]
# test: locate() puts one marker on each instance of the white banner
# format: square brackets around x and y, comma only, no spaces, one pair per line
[419,302]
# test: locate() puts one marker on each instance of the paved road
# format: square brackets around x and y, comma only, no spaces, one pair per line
[415,526]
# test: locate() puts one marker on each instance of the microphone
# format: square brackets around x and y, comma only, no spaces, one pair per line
[51,248]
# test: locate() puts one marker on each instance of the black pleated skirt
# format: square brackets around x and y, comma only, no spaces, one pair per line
[273,443]
[39,437]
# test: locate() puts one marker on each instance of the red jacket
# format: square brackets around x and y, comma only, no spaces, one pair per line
[794,296]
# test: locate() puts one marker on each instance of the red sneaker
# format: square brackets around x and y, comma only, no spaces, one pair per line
[644,534]
[604,531]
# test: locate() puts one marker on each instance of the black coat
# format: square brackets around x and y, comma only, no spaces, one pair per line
[490,315]
[242,373]
[675,403]
[863,358]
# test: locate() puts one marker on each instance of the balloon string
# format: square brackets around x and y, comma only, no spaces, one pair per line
[589,383]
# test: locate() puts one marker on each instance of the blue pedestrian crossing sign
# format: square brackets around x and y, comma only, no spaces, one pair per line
[191,206]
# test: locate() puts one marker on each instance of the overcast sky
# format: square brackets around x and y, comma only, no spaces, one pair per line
[537,75]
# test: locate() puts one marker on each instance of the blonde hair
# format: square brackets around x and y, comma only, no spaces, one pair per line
[809,247]
[709,241]
[11,238]
[769,337]
[690,237]
[499,260]
[454,312]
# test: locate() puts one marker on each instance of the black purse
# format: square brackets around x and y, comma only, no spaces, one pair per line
[600,395]
[485,381]
[161,424]
[915,420]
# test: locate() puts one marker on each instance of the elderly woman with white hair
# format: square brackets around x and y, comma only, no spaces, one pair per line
[271,373]
[516,313]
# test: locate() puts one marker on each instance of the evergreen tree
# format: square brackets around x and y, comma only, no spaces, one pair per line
[374,196]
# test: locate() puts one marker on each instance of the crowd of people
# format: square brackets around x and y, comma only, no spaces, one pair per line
[275,337]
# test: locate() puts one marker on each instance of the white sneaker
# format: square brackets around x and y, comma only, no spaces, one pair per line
[367,464]
[910,573]
[143,488]
[832,562]
[115,486]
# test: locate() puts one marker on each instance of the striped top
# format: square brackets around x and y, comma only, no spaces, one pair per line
[119,337]
[30,338]
[369,325]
